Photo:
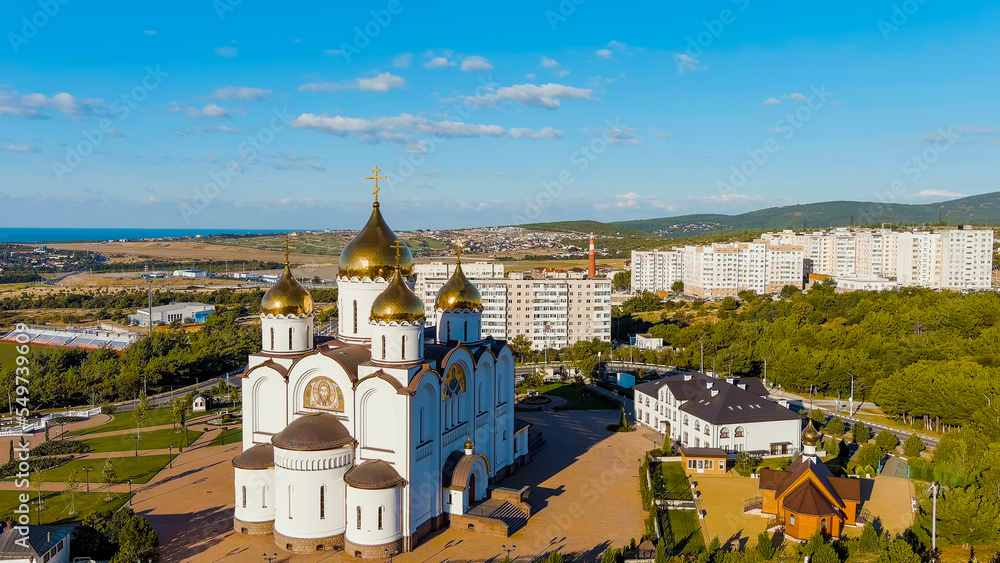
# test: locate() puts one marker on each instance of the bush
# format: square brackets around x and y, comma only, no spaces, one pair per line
[861,433]
[66,419]
[887,441]
[913,446]
[869,455]
[60,448]
[835,426]
[35,464]
[818,416]
[747,463]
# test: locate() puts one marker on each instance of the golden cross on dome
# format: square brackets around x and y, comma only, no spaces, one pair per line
[399,246]
[286,250]
[376,177]
[458,251]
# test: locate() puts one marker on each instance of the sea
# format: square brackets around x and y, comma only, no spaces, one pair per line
[40,235]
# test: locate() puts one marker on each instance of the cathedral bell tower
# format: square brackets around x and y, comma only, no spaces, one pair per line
[367,265]
[286,315]
[459,308]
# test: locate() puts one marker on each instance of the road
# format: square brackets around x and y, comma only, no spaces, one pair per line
[164,399]
[54,281]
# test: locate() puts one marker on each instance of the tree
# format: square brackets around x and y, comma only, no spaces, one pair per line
[677,287]
[765,547]
[661,552]
[178,410]
[899,552]
[886,440]
[968,517]
[72,488]
[818,416]
[622,281]
[137,541]
[11,456]
[667,445]
[869,455]
[788,291]
[861,433]
[623,422]
[835,426]
[913,446]
[46,431]
[109,475]
[554,557]
[521,347]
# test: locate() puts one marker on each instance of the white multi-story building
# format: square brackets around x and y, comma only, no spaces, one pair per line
[919,259]
[699,411]
[723,270]
[656,270]
[966,258]
[552,313]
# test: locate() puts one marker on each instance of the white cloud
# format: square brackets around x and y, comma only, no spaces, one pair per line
[421,185]
[632,200]
[381,83]
[403,128]
[227,52]
[937,194]
[545,95]
[617,136]
[797,97]
[476,63]
[726,198]
[687,63]
[438,62]
[211,110]
[403,61]
[771,102]
[13,104]
[419,147]
[544,133]
[378,83]
[530,76]
[775,130]
[333,52]
[242,93]
[213,128]
[604,53]
[149,32]
[549,63]
[662,134]
[20,148]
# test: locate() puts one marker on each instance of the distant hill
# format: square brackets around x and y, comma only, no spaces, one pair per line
[601,230]
[978,209]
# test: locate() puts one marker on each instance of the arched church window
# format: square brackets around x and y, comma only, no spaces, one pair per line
[448,338]
[244,497]
[359,517]
[322,502]
[289,502]
[380,509]
[421,425]
[272,338]
[355,316]
[465,328]
[383,346]
[263,497]
[290,331]
[403,353]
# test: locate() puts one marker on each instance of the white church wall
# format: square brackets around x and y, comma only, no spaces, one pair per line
[266,408]
[301,509]
[290,334]
[355,298]
[425,475]
[306,370]
[255,495]
[370,529]
[397,344]
[381,411]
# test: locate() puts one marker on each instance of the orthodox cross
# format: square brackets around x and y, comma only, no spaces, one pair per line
[399,246]
[286,249]
[376,177]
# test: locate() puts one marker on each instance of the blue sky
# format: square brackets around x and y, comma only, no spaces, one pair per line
[264,115]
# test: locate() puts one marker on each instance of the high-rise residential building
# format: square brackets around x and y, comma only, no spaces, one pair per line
[441,271]
[723,270]
[966,258]
[656,270]
[551,313]
[919,259]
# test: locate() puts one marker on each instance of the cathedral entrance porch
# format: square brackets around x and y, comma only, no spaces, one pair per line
[501,514]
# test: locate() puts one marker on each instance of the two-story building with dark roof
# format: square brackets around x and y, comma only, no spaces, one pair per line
[734,414]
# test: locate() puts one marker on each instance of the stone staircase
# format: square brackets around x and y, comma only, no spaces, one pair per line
[511,515]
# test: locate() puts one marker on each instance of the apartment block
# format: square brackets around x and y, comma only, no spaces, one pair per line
[656,270]
[724,270]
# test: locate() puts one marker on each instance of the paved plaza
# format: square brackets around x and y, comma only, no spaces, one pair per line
[584,493]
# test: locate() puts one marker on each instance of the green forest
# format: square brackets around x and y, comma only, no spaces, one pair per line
[928,358]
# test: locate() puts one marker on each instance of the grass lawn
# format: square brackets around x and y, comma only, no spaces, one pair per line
[151,440]
[675,481]
[230,436]
[687,531]
[8,352]
[126,421]
[140,469]
[575,400]
[56,506]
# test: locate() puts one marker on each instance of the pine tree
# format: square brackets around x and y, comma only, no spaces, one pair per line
[623,422]
[913,446]
[11,458]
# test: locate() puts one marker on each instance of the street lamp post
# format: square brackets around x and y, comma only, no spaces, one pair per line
[170,454]
[851,413]
[389,554]
[271,558]
[508,550]
[934,492]
[130,492]
[136,438]
[88,470]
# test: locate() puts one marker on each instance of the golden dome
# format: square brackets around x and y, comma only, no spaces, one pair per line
[469,445]
[459,293]
[371,253]
[811,436]
[397,303]
[287,297]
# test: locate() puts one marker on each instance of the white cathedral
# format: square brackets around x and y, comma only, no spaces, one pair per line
[371,441]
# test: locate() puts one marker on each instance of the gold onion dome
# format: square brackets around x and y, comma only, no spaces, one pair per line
[287,297]
[371,254]
[810,436]
[459,293]
[469,445]
[397,303]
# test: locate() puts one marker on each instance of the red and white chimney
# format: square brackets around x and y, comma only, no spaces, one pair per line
[592,267]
